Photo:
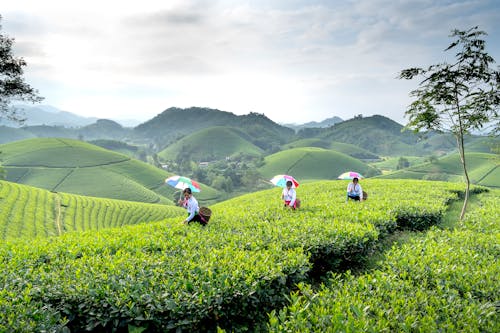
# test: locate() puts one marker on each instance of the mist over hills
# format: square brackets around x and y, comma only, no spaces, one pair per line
[324,123]
[47,115]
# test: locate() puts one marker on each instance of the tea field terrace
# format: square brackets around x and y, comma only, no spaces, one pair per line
[166,276]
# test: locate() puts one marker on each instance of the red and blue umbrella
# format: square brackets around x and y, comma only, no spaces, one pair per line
[182,182]
[350,175]
[280,180]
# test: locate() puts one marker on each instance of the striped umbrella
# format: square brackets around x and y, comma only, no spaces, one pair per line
[182,182]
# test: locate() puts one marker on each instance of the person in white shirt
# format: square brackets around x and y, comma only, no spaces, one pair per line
[192,207]
[354,190]
[289,196]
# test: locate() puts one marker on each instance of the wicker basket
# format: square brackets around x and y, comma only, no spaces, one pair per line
[365,195]
[205,213]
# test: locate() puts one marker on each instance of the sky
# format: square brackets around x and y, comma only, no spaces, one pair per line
[294,61]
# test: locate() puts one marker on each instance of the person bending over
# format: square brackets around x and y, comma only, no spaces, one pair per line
[191,205]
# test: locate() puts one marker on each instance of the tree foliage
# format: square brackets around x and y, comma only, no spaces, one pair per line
[12,84]
[457,97]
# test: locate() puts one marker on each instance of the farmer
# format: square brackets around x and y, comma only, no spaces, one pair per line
[354,190]
[191,204]
[289,195]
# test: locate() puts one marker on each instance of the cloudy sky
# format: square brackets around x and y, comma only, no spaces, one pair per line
[295,61]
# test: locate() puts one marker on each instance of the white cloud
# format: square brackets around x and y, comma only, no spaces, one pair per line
[303,60]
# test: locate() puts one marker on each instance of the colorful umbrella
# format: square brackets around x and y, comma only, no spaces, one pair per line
[181,183]
[350,175]
[280,180]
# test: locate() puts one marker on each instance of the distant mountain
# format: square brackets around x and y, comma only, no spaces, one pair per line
[104,129]
[48,115]
[174,123]
[9,134]
[322,124]
[381,136]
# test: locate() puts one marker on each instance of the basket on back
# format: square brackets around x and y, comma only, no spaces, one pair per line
[205,213]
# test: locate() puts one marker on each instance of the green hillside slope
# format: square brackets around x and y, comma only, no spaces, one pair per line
[172,123]
[483,169]
[30,212]
[383,136]
[78,167]
[214,143]
[489,145]
[313,163]
[345,148]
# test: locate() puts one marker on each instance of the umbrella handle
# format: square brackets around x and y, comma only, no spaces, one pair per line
[180,196]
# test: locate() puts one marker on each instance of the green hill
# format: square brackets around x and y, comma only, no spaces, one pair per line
[30,212]
[345,148]
[81,168]
[312,163]
[309,142]
[104,129]
[213,143]
[383,136]
[173,123]
[390,164]
[484,145]
[377,134]
[483,169]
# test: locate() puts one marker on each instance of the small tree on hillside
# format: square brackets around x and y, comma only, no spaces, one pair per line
[457,97]
[12,85]
[402,163]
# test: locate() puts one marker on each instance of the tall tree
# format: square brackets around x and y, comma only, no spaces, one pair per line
[457,97]
[12,84]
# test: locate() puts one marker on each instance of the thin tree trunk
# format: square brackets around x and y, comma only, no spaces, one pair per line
[460,142]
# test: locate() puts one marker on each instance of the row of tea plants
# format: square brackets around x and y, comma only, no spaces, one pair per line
[443,281]
[168,276]
[28,212]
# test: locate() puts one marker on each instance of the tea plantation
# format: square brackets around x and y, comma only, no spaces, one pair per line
[256,258]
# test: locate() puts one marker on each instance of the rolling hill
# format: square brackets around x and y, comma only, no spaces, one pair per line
[29,212]
[312,163]
[345,148]
[173,123]
[382,136]
[213,143]
[483,169]
[81,168]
